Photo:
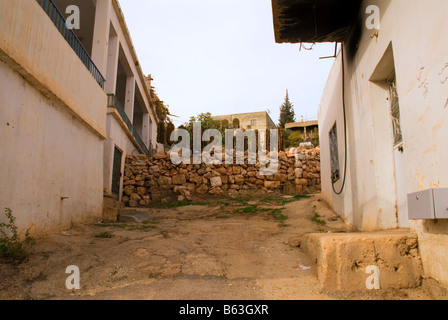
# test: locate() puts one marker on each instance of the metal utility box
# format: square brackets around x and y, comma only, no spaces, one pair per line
[428,204]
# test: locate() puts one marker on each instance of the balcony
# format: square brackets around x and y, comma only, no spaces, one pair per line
[58,20]
[113,102]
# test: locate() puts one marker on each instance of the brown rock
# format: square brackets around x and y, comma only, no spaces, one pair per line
[135,197]
[202,190]
[239,179]
[236,170]
[141,191]
[216,191]
[222,171]
[272,184]
[129,182]
[216,182]
[190,187]
[160,156]
[195,178]
[179,179]
[128,190]
[301,182]
[232,193]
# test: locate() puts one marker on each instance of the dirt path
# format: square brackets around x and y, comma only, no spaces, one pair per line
[226,249]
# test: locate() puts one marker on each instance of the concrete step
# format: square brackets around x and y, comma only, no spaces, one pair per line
[133,215]
[111,208]
[343,259]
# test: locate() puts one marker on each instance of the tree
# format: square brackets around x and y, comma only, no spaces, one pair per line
[206,120]
[287,114]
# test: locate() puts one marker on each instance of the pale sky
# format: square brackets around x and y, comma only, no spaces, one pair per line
[221,57]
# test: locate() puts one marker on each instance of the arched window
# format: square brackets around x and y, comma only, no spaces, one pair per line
[236,124]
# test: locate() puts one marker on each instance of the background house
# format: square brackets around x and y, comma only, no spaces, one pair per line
[252,120]
[383,114]
[304,131]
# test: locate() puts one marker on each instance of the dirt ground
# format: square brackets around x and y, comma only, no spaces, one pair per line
[222,249]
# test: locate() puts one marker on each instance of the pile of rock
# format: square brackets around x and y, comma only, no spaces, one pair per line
[148,180]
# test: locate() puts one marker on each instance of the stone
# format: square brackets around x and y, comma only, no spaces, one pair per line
[236,170]
[129,182]
[190,187]
[202,190]
[184,192]
[216,182]
[280,177]
[216,191]
[298,172]
[166,183]
[135,197]
[301,182]
[133,203]
[272,184]
[179,179]
[141,191]
[160,155]
[239,179]
[195,178]
[128,190]
[252,180]
[233,193]
[222,171]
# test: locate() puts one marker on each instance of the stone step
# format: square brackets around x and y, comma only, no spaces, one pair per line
[133,215]
[343,259]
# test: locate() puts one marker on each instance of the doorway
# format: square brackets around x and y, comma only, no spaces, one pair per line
[116,172]
[389,153]
[399,157]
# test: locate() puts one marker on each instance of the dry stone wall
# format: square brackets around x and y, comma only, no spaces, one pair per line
[148,180]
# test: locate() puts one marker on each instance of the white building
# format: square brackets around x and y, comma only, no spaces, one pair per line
[383,115]
[73,103]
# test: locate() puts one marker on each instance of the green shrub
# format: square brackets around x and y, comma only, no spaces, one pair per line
[11,247]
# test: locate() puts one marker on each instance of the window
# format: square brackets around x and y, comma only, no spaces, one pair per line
[254,122]
[395,112]
[334,154]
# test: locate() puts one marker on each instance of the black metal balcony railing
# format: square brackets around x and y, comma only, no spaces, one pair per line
[58,19]
[113,102]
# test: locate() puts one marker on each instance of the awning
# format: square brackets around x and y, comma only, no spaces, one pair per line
[312,21]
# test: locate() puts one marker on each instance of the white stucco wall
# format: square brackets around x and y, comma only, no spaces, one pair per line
[53,124]
[51,171]
[32,45]
[415,30]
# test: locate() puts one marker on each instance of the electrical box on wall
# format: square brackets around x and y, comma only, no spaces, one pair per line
[428,204]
